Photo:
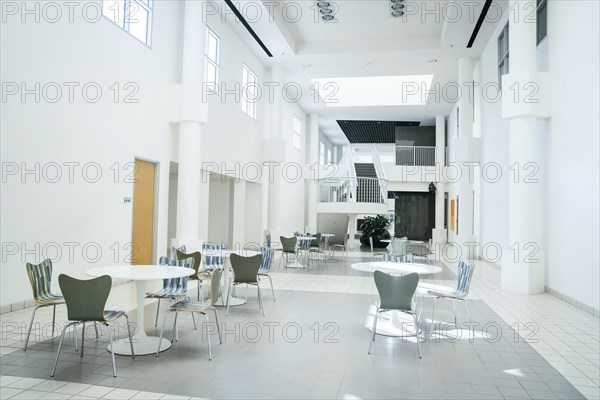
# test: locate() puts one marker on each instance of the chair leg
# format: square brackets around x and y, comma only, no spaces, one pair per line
[162,331]
[260,301]
[128,334]
[30,326]
[175,337]
[374,330]
[112,350]
[75,335]
[417,334]
[82,338]
[468,311]
[96,328]
[218,327]
[454,308]
[272,290]
[62,336]
[432,314]
[208,337]
[157,308]
[228,297]
[53,318]
[194,319]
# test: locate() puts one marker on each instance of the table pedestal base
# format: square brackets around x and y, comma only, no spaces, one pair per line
[142,345]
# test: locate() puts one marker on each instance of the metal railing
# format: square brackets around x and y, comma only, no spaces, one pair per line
[352,190]
[415,155]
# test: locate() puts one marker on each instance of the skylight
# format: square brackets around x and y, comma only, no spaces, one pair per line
[371,91]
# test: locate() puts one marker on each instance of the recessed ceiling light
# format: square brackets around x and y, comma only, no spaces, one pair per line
[328,17]
[323,4]
[306,65]
[326,11]
[397,1]
[397,14]
[432,60]
[397,7]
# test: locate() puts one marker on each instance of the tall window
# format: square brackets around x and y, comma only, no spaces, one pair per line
[297,133]
[249,91]
[329,157]
[133,16]
[211,64]
[322,152]
[502,54]
[542,20]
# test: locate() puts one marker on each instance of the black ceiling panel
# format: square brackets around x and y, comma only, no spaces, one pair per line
[372,131]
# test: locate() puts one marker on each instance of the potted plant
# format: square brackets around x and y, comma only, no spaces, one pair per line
[375,227]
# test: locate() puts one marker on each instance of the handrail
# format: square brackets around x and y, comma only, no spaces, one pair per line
[352,190]
[380,171]
[416,155]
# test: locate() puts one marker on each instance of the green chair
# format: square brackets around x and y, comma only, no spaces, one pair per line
[40,278]
[198,276]
[245,270]
[197,307]
[289,249]
[85,301]
[396,293]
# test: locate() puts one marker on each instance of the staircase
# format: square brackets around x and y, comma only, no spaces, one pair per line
[368,190]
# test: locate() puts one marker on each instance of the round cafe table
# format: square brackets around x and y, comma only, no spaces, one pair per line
[141,274]
[393,323]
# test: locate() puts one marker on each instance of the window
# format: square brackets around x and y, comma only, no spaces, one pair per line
[542,20]
[297,133]
[329,158]
[249,92]
[322,153]
[212,54]
[133,16]
[502,54]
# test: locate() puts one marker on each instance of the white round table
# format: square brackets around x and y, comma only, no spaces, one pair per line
[393,323]
[233,301]
[141,274]
[397,268]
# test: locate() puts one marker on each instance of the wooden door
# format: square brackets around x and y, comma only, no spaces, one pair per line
[143,213]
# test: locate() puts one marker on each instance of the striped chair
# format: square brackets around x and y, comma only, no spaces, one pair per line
[265,267]
[198,274]
[465,273]
[172,288]
[212,257]
[40,278]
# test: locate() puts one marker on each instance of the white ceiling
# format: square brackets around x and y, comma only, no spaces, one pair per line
[366,41]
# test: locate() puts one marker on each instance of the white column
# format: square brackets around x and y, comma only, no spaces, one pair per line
[312,153]
[522,272]
[276,154]
[239,214]
[440,234]
[190,215]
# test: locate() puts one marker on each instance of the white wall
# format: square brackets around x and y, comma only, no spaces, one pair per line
[569,168]
[573,201]
[49,215]
[220,204]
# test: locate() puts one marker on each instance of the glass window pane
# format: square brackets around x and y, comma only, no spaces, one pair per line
[138,20]
[212,47]
[114,10]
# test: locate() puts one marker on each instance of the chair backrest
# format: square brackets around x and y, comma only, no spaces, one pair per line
[267,253]
[196,256]
[268,241]
[176,284]
[317,241]
[371,243]
[465,273]
[174,250]
[288,244]
[396,292]
[85,299]
[215,285]
[245,269]
[398,247]
[303,243]
[212,256]
[40,278]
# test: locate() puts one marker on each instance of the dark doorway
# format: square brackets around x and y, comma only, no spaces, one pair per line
[415,215]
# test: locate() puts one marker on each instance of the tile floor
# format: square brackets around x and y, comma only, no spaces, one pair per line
[313,344]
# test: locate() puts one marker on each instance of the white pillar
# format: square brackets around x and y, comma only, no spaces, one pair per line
[239,214]
[276,145]
[440,234]
[523,262]
[312,153]
[192,211]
